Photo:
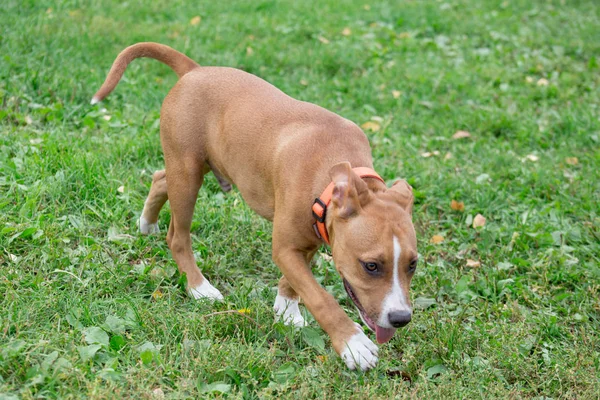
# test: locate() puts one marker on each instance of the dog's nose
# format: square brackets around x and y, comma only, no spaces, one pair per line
[399,318]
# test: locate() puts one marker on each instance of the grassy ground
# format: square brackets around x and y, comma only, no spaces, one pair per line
[90,308]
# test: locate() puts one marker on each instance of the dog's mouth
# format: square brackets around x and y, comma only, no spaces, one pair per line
[383,335]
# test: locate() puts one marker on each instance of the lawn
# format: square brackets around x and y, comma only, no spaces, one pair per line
[510,309]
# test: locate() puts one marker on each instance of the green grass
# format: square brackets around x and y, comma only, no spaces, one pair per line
[88,308]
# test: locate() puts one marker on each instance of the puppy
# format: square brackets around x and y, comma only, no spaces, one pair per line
[304,168]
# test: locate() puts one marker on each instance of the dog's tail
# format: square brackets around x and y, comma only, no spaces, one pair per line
[180,63]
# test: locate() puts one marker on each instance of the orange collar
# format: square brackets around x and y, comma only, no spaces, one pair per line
[319,207]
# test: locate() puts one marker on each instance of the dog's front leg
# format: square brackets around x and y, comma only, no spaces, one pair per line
[347,337]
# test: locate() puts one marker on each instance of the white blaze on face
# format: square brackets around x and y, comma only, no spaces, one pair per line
[396,299]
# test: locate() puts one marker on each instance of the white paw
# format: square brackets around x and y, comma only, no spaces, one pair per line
[360,351]
[205,291]
[147,228]
[287,310]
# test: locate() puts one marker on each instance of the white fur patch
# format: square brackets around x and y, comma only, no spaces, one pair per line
[147,228]
[288,311]
[95,100]
[360,352]
[205,291]
[396,299]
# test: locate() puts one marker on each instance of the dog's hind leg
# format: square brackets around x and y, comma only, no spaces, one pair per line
[184,182]
[157,197]
[184,164]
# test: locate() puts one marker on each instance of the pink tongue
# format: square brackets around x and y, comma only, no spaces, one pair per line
[384,334]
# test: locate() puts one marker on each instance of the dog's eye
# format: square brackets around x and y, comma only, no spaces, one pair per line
[412,266]
[370,266]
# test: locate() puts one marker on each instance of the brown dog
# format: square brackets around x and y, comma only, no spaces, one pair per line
[282,153]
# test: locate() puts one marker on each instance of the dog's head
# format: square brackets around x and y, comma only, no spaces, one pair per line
[374,248]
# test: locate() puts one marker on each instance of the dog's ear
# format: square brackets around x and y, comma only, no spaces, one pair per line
[403,194]
[349,191]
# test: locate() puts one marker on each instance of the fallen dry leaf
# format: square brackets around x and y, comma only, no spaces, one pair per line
[371,126]
[428,154]
[196,20]
[435,239]
[323,40]
[346,32]
[396,93]
[158,393]
[532,157]
[478,221]
[572,160]
[303,82]
[542,82]
[457,205]
[473,263]
[461,135]
[447,156]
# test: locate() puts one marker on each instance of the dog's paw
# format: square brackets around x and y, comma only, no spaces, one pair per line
[147,228]
[205,291]
[288,311]
[360,352]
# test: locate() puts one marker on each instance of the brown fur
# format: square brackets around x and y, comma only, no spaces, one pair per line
[280,153]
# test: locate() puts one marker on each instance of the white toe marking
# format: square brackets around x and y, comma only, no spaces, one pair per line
[396,299]
[205,291]
[360,352]
[288,311]
[147,228]
[95,100]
